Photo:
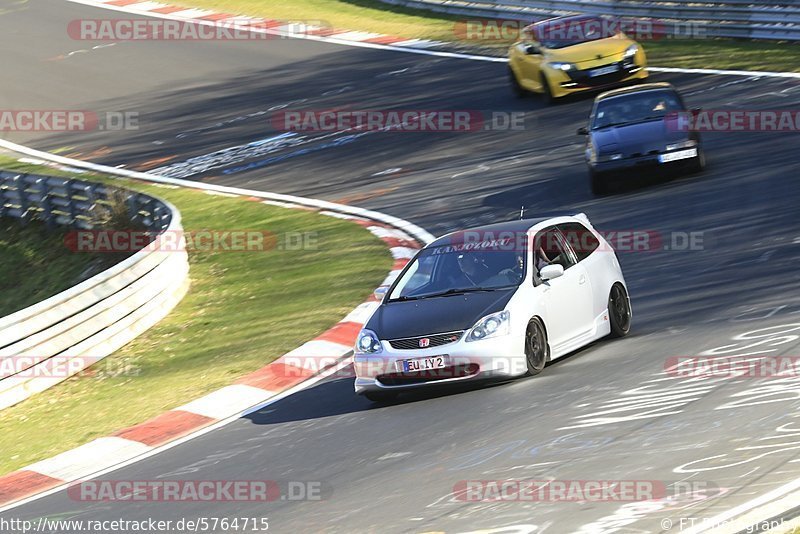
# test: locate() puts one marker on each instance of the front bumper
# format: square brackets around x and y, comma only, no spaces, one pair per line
[563,83]
[499,357]
[645,161]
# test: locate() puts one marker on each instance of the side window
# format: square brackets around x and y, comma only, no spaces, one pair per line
[582,241]
[418,275]
[549,249]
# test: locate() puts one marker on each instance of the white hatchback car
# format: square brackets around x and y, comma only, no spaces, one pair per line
[498,301]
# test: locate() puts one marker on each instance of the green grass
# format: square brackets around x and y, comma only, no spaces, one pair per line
[375,16]
[243,310]
[36,264]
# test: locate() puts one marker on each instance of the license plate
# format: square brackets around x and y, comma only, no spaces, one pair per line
[675,156]
[603,70]
[423,364]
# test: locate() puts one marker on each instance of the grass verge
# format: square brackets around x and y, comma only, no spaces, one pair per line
[243,310]
[378,17]
[35,264]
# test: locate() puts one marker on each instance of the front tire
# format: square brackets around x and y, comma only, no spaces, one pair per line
[547,94]
[619,311]
[380,396]
[516,87]
[699,163]
[537,351]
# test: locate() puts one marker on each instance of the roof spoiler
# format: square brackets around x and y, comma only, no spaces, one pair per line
[583,218]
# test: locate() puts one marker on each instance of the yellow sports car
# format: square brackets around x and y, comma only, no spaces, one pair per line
[564,55]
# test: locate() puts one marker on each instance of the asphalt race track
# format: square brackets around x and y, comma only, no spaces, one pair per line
[606,412]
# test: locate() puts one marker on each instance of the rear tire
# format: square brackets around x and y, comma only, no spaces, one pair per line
[619,311]
[537,351]
[380,396]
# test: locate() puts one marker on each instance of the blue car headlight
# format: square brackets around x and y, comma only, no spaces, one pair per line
[682,144]
[609,157]
[496,324]
[368,343]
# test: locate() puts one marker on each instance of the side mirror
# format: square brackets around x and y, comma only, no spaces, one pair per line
[532,49]
[548,272]
[380,292]
[583,130]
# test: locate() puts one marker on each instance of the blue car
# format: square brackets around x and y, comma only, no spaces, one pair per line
[639,129]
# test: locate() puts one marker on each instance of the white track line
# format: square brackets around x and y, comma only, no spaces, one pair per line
[409,49]
[180,441]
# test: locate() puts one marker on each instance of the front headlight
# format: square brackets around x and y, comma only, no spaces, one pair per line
[558,65]
[691,143]
[368,343]
[631,51]
[609,157]
[496,324]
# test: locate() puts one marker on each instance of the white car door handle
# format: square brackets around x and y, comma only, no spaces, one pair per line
[582,279]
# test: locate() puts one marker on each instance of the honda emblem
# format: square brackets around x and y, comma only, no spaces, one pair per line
[424,342]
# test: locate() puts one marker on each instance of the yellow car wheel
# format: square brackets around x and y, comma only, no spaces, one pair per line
[518,90]
[547,94]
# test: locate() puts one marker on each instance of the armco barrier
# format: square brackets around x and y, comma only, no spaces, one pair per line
[67,332]
[749,19]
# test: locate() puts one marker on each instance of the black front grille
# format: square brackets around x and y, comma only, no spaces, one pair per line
[435,340]
[431,375]
[582,76]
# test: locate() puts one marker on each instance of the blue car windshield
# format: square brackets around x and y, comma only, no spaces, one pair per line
[462,267]
[635,107]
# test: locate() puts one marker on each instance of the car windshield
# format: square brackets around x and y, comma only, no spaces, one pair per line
[635,107]
[561,33]
[461,268]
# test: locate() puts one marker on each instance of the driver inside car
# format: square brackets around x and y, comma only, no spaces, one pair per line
[473,267]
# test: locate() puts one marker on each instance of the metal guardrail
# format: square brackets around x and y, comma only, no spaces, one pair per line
[66,333]
[749,19]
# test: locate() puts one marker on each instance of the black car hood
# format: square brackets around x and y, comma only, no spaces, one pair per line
[412,318]
[639,138]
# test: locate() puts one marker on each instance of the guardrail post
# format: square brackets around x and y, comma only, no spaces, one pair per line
[3,180]
[19,183]
[47,206]
[133,208]
[73,216]
[91,198]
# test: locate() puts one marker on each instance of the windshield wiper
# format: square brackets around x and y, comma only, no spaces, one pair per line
[612,124]
[459,291]
[632,121]
[454,291]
